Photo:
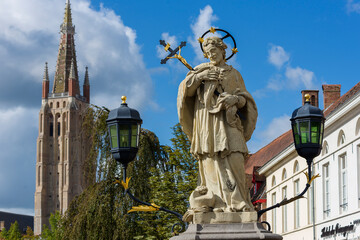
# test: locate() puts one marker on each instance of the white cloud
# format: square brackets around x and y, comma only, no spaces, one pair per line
[275,128]
[108,47]
[23,211]
[299,76]
[352,6]
[29,36]
[285,78]
[277,56]
[203,23]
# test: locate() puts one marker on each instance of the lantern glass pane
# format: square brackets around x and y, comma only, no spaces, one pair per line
[321,132]
[304,132]
[114,136]
[134,131]
[315,132]
[124,135]
[296,133]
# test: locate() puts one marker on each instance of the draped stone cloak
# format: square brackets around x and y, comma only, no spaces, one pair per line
[216,131]
[208,132]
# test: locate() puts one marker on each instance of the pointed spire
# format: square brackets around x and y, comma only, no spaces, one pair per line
[72,70]
[46,73]
[86,79]
[67,16]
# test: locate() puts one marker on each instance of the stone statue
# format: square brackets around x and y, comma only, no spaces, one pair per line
[218,115]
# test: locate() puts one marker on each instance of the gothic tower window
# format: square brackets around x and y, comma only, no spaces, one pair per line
[38,176]
[51,129]
[41,122]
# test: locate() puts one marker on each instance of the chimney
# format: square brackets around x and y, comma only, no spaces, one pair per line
[331,93]
[314,97]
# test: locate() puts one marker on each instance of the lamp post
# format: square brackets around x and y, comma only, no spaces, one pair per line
[124,126]
[307,123]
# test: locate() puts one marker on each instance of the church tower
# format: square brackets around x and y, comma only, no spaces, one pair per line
[61,146]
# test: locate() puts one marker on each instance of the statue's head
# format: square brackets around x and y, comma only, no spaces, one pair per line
[212,45]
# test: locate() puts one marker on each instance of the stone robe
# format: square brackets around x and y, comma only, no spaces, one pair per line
[218,137]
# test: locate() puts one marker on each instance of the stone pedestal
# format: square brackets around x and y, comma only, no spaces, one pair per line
[222,217]
[220,225]
[229,231]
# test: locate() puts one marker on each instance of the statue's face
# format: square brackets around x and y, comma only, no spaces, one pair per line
[215,54]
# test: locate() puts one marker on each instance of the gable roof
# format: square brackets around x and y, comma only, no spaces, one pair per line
[278,145]
[23,220]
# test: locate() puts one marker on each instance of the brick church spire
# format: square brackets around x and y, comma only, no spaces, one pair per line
[66,55]
[62,146]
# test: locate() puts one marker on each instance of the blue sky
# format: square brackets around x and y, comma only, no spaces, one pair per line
[284,47]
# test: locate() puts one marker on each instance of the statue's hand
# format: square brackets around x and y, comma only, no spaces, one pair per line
[208,75]
[230,101]
[241,101]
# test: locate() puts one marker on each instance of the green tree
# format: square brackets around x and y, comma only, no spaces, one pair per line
[14,232]
[55,230]
[172,181]
[160,174]
[100,212]
[4,234]
[29,234]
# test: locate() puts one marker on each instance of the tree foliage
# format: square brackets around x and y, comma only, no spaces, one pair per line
[161,174]
[12,234]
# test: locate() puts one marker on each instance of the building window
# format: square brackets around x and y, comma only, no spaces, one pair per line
[296,204]
[284,175]
[58,129]
[51,130]
[273,181]
[296,167]
[341,138]
[65,169]
[273,202]
[326,190]
[343,183]
[39,175]
[284,210]
[40,151]
[357,128]
[325,149]
[41,123]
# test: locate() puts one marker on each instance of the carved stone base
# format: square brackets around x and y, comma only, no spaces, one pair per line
[229,231]
[224,217]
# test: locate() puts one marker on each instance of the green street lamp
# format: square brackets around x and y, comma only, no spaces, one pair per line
[307,123]
[124,126]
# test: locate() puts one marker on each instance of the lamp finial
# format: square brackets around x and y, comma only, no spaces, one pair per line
[123,98]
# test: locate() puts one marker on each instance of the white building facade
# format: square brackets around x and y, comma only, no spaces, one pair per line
[331,207]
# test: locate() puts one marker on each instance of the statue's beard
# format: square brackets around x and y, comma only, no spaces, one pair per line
[215,60]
